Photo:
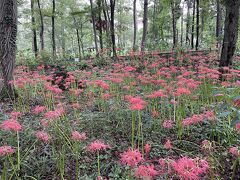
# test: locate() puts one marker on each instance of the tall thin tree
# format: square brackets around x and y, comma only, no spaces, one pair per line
[218,22]
[112,27]
[8,34]
[94,26]
[34,32]
[193,23]
[53,29]
[41,26]
[197,25]
[134,23]
[100,23]
[145,25]
[188,22]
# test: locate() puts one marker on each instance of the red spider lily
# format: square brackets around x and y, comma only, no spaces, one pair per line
[234,151]
[52,115]
[11,125]
[43,136]
[146,172]
[147,149]
[96,146]
[190,169]
[38,109]
[131,157]
[102,84]
[15,114]
[6,150]
[76,136]
[168,124]
[168,145]
[137,103]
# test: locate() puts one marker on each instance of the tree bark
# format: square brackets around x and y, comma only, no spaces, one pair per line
[197,26]
[34,32]
[53,29]
[193,25]
[8,34]
[112,7]
[145,25]
[188,22]
[134,24]
[94,27]
[218,23]
[174,24]
[99,2]
[42,26]
[78,38]
[182,27]
[230,32]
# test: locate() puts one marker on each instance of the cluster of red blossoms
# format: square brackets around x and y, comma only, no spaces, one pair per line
[185,168]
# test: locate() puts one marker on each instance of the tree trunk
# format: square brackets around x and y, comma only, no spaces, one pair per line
[174,25]
[63,43]
[182,27]
[197,26]
[78,38]
[107,19]
[99,2]
[188,22]
[145,25]
[53,29]
[8,33]
[42,26]
[193,25]
[134,24]
[94,27]
[218,23]
[34,42]
[112,7]
[230,32]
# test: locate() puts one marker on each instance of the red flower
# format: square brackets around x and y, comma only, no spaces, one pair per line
[131,157]
[146,172]
[76,136]
[168,144]
[147,148]
[234,151]
[11,124]
[6,150]
[42,136]
[38,109]
[15,114]
[190,169]
[97,146]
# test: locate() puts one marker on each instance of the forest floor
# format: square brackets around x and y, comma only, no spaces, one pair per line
[143,117]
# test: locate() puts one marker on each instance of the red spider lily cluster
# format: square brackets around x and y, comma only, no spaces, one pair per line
[161,94]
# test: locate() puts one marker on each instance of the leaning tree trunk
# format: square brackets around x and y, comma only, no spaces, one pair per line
[34,46]
[53,30]
[145,25]
[41,26]
[8,34]
[230,32]
[134,24]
